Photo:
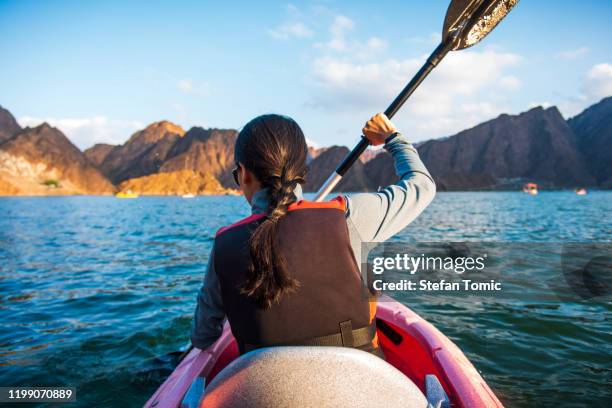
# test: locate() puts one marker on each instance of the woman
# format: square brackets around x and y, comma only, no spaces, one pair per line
[288,274]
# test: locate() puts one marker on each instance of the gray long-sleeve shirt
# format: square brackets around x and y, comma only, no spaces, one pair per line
[370,217]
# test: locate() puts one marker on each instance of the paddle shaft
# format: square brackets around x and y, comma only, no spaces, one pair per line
[433,60]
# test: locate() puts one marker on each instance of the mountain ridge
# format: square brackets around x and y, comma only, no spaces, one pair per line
[8,125]
[537,145]
[593,131]
[43,161]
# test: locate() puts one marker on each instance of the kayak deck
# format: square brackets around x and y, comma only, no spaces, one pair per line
[410,344]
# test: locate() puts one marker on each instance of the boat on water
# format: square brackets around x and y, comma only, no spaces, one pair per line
[126,194]
[423,368]
[530,188]
[581,191]
[188,195]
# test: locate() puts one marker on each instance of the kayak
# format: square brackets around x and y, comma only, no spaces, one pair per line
[429,365]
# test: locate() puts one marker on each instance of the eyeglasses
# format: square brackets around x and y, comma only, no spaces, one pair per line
[235,174]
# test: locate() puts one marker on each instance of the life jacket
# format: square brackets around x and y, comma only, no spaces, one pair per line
[331,307]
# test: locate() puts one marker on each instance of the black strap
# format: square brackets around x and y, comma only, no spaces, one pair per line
[391,137]
[346,337]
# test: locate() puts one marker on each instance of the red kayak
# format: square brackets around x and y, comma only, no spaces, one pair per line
[423,368]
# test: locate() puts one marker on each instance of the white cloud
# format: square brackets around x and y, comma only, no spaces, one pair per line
[596,84]
[288,30]
[85,132]
[366,84]
[184,85]
[341,25]
[466,88]
[572,54]
[510,82]
[293,26]
[573,105]
[338,30]
[375,44]
[338,42]
[599,81]
[188,87]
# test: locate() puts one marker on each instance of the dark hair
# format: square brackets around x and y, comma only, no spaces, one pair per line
[274,149]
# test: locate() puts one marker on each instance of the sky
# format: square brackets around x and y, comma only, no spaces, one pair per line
[101,70]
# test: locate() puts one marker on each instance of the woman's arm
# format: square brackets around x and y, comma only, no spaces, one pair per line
[209,314]
[378,216]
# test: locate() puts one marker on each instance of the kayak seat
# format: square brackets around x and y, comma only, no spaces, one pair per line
[311,377]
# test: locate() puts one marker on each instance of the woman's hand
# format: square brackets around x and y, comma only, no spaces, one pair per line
[379,128]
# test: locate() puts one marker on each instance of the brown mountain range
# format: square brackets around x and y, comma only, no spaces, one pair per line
[537,145]
[98,152]
[209,151]
[164,147]
[42,161]
[143,154]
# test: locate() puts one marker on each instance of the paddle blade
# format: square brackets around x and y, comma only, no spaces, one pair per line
[457,15]
[472,20]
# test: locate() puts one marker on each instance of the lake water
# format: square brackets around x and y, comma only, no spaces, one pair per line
[94,292]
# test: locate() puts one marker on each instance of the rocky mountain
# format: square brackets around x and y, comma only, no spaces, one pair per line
[42,161]
[143,154]
[536,146]
[326,162]
[503,153]
[313,152]
[8,125]
[164,147]
[593,134]
[199,161]
[175,183]
[209,151]
[98,153]
[370,154]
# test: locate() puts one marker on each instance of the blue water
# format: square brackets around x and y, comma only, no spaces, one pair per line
[95,292]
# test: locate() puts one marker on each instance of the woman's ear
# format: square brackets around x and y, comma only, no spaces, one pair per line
[248,183]
[248,180]
[245,176]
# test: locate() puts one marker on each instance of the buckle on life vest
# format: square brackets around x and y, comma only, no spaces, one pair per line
[346,331]
[346,337]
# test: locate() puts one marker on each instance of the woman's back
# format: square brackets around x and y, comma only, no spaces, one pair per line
[314,240]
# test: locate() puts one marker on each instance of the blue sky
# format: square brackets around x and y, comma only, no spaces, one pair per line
[100,70]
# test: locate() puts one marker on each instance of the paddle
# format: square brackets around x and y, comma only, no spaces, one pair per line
[466,23]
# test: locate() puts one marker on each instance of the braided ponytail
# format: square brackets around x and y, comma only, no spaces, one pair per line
[273,147]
